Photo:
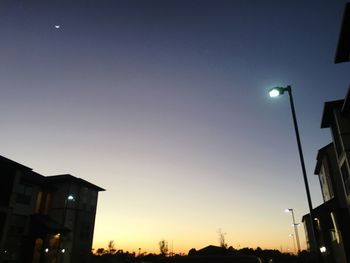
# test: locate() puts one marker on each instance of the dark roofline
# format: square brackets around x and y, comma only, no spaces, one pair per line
[330,205]
[70,178]
[343,48]
[13,163]
[329,106]
[327,111]
[320,154]
[211,250]
[305,217]
[45,180]
[210,247]
[323,208]
[35,177]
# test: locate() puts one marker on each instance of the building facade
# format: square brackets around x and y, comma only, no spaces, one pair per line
[45,218]
[332,218]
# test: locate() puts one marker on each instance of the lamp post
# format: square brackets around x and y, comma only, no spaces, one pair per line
[275,92]
[66,200]
[295,227]
[292,236]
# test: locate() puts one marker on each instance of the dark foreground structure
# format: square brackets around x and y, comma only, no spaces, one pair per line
[45,218]
[332,218]
[343,48]
[214,258]
[209,254]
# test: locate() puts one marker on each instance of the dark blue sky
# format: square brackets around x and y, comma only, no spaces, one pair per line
[164,103]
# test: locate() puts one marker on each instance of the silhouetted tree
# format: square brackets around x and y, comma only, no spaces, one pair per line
[192,252]
[222,240]
[100,251]
[111,247]
[163,247]
[231,249]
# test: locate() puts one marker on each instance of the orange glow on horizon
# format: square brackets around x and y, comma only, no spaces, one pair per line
[186,226]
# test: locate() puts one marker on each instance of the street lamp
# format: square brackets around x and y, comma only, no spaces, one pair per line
[292,236]
[67,199]
[290,210]
[275,92]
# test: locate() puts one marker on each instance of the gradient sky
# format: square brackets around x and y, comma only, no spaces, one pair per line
[164,104]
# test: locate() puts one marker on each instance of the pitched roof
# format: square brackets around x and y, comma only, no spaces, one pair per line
[329,106]
[212,250]
[45,180]
[320,154]
[62,178]
[9,162]
[327,112]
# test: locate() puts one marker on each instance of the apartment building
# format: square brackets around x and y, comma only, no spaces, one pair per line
[45,218]
[332,218]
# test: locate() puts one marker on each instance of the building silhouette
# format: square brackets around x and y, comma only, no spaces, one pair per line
[343,47]
[45,218]
[332,218]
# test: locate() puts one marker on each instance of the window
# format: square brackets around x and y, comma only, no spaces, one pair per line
[47,203]
[346,178]
[38,202]
[336,133]
[84,230]
[335,234]
[84,192]
[23,199]
[326,184]
[337,143]
[93,200]
[317,224]
[17,224]
[24,194]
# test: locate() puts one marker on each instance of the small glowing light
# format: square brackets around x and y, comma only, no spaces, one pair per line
[274,93]
[291,235]
[63,250]
[287,210]
[46,250]
[70,198]
[323,249]
[57,26]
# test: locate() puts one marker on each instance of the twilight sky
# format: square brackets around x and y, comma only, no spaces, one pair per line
[164,104]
